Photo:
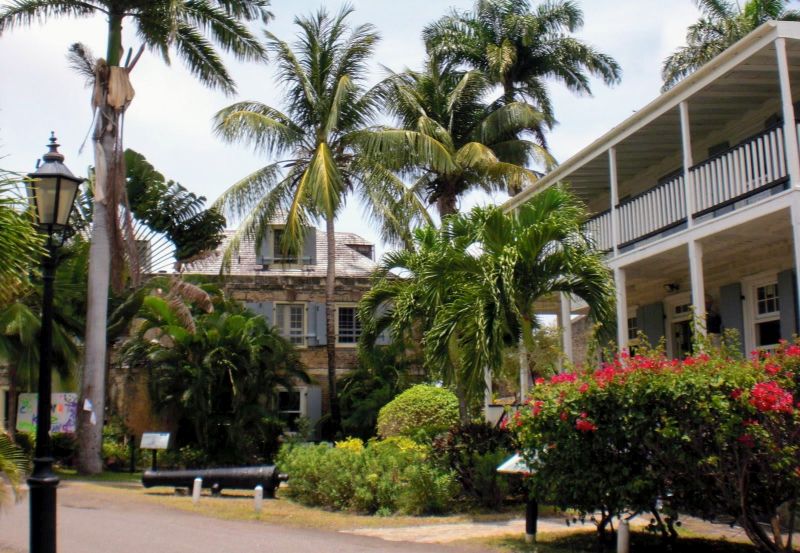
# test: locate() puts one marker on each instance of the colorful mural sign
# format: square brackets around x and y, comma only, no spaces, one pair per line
[63,414]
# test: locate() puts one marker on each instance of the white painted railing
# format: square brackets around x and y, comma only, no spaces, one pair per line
[599,228]
[749,166]
[755,164]
[657,209]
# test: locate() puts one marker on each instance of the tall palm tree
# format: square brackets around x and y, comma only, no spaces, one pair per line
[190,28]
[318,141]
[520,47]
[472,285]
[463,142]
[723,22]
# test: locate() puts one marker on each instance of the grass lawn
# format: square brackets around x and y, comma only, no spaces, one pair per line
[72,474]
[640,542]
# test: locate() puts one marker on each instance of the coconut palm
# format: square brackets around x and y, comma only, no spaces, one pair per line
[13,467]
[471,287]
[317,140]
[460,142]
[723,22]
[190,28]
[520,47]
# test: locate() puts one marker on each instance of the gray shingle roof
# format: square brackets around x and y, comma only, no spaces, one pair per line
[349,263]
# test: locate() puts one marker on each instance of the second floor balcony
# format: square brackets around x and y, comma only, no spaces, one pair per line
[714,144]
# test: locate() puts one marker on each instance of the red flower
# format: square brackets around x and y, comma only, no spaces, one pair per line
[539,381]
[564,416]
[736,394]
[584,388]
[772,369]
[537,407]
[746,440]
[793,351]
[585,425]
[563,377]
[504,423]
[769,396]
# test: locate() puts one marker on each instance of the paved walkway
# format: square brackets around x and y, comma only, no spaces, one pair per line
[92,520]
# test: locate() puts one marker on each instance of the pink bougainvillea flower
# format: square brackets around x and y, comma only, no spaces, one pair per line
[563,377]
[772,369]
[792,351]
[583,388]
[539,381]
[769,396]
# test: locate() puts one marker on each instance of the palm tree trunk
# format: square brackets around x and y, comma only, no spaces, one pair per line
[446,204]
[330,328]
[93,385]
[12,401]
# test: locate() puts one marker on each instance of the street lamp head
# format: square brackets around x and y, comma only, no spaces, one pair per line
[52,189]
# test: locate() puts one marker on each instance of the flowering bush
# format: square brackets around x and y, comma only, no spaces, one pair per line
[709,435]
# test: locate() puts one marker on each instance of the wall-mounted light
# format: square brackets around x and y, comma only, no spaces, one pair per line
[671,287]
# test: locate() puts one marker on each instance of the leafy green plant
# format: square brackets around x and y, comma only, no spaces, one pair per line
[421,412]
[14,466]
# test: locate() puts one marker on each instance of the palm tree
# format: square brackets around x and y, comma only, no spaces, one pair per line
[190,28]
[318,140]
[460,142]
[13,467]
[215,373]
[723,22]
[520,48]
[472,285]
[20,244]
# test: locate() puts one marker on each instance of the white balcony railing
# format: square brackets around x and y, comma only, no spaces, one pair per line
[751,165]
[653,211]
[756,164]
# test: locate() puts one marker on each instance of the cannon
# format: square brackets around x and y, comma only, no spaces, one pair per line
[236,478]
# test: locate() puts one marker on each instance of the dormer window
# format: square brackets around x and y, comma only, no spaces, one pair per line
[366,250]
[277,246]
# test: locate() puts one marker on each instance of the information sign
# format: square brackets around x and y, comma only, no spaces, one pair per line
[155,440]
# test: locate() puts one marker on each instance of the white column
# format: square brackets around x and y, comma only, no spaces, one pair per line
[622,309]
[698,285]
[796,239]
[566,327]
[686,140]
[612,170]
[789,127]
[3,421]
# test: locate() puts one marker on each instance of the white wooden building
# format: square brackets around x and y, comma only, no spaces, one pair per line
[695,199]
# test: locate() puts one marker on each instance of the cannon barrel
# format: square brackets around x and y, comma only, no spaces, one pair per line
[237,478]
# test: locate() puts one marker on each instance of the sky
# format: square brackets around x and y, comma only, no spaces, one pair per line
[169,121]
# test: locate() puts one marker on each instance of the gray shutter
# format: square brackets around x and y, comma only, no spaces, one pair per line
[263,308]
[730,310]
[310,247]
[650,320]
[788,304]
[266,254]
[316,324]
[314,407]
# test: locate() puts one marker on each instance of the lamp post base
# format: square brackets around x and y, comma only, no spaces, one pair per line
[42,486]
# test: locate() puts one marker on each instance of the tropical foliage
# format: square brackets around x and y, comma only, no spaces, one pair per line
[709,435]
[520,47]
[317,141]
[723,22]
[452,141]
[420,413]
[216,375]
[20,245]
[470,287]
[191,29]
[13,467]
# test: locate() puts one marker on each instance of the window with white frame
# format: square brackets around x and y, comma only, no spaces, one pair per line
[290,318]
[348,327]
[633,328]
[289,407]
[767,314]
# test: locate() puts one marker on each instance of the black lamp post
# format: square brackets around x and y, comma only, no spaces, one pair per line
[51,192]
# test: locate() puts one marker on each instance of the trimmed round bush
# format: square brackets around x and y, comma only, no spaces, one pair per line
[421,412]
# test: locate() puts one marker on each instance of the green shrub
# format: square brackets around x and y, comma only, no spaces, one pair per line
[421,412]
[385,476]
[187,457]
[473,452]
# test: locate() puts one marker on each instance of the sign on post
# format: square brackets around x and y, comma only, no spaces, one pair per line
[514,465]
[63,413]
[154,440]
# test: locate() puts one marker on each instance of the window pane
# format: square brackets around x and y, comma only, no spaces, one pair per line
[289,400]
[768,333]
[767,299]
[349,326]
[291,322]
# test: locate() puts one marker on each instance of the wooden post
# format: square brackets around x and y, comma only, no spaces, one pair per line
[688,180]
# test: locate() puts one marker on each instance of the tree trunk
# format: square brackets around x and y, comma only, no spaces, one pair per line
[330,327]
[446,205]
[93,385]
[12,402]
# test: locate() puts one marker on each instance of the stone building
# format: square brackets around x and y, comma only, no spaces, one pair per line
[290,293]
